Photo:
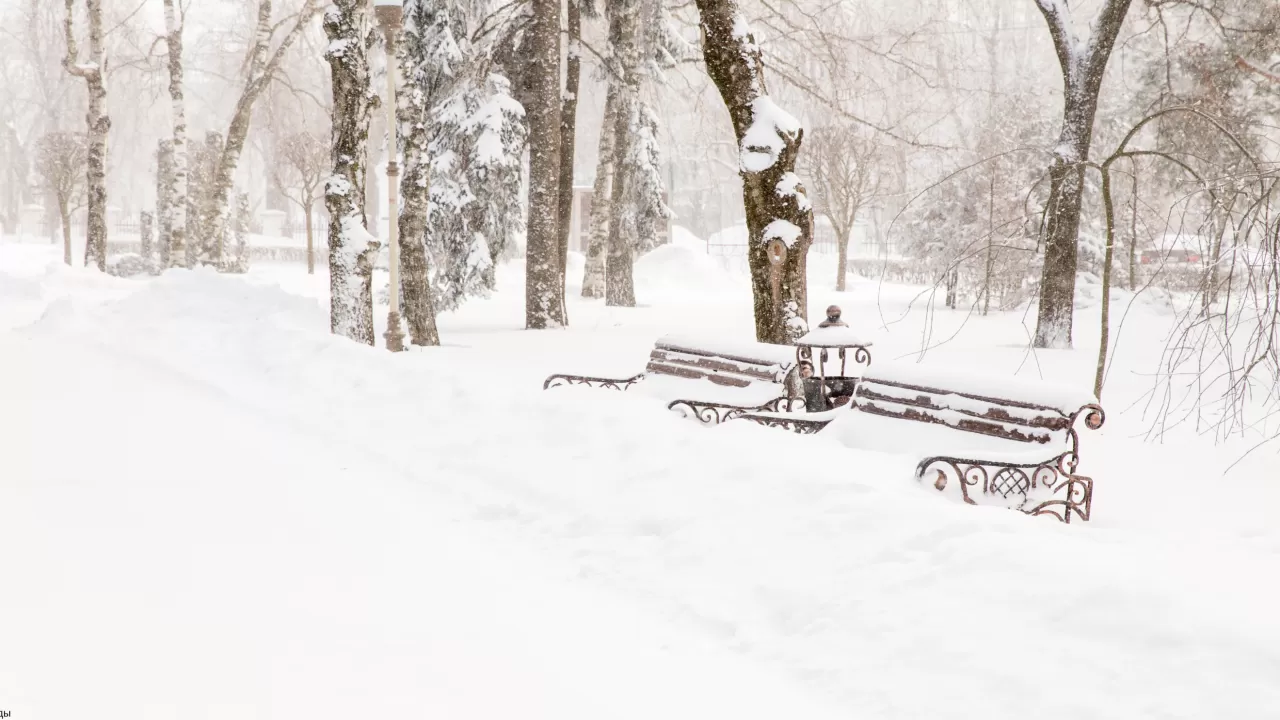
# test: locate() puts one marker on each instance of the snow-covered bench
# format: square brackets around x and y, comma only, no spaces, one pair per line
[994,440]
[711,379]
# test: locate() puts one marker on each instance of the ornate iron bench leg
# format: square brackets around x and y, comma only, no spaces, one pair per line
[710,413]
[1072,494]
[606,383]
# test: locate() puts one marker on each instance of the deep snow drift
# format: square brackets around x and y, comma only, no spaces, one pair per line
[211,507]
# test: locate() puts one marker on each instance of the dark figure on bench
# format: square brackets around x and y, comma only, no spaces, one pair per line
[838,391]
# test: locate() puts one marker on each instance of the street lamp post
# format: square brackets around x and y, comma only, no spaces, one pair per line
[389,14]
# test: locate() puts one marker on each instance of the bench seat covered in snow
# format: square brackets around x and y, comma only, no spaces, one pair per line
[993,439]
[712,379]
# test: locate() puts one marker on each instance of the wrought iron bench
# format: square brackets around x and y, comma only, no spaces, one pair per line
[711,380]
[1031,465]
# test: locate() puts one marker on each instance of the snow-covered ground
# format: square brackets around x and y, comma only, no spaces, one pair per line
[209,507]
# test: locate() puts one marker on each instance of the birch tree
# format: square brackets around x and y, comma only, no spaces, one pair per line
[352,249]
[779,215]
[542,286]
[176,196]
[93,72]
[262,64]
[1083,62]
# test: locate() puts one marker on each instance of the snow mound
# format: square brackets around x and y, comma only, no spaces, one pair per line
[681,268]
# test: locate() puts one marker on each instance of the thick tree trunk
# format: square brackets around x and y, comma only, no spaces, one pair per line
[352,249]
[542,286]
[178,206]
[1058,276]
[261,69]
[778,216]
[415,187]
[568,138]
[95,249]
[624,30]
[1083,66]
[593,283]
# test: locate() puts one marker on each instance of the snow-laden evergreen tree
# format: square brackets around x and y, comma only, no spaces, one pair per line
[463,136]
[475,207]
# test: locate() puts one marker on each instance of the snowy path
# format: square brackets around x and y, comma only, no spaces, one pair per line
[431,530]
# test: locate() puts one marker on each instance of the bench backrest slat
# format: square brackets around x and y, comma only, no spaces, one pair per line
[729,370]
[1009,419]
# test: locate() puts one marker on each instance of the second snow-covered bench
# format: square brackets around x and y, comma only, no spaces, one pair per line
[1004,440]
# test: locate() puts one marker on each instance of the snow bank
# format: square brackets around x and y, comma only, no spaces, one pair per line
[222,509]
[681,268]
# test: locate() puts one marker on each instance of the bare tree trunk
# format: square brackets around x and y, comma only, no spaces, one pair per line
[1105,339]
[601,202]
[352,249]
[842,255]
[769,143]
[991,248]
[95,249]
[542,287]
[178,207]
[64,213]
[1083,66]
[311,243]
[261,69]
[568,137]
[1133,235]
[415,195]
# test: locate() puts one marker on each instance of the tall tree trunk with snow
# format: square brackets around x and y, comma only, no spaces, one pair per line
[261,68]
[93,74]
[568,138]
[411,116]
[352,249]
[624,29]
[543,287]
[593,283]
[1083,65]
[177,223]
[779,218]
